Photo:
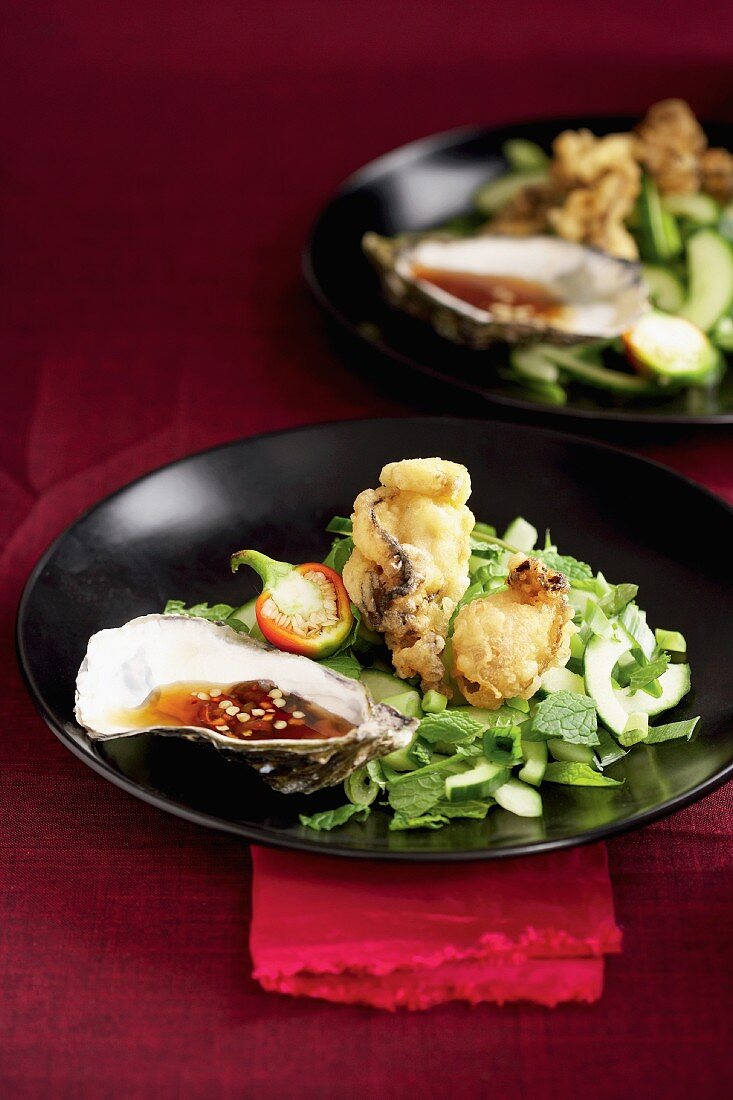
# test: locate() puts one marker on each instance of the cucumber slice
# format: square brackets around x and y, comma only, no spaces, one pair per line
[665,289]
[529,363]
[701,209]
[521,534]
[434,702]
[382,685]
[246,614]
[519,798]
[614,705]
[710,273]
[407,703]
[478,783]
[635,730]
[525,156]
[562,679]
[535,756]
[671,640]
[672,349]
[722,333]
[490,198]
[601,378]
[573,754]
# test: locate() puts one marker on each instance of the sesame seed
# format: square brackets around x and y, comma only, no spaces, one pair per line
[231,711]
[203,696]
[215,693]
[280,725]
[222,727]
[223,704]
[257,712]
[275,693]
[298,714]
[242,717]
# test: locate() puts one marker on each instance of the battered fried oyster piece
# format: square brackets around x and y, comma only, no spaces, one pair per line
[716,166]
[409,567]
[593,186]
[503,643]
[670,143]
[601,180]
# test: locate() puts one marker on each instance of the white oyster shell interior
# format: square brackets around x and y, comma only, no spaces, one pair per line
[124,665]
[601,295]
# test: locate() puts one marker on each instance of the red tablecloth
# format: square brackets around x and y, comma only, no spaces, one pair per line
[159,165]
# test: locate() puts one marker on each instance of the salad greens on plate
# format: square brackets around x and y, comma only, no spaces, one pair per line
[463,760]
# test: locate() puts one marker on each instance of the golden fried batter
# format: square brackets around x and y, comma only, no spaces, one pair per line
[503,643]
[670,144]
[409,567]
[716,166]
[594,184]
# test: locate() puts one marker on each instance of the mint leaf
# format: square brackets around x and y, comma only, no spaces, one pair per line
[330,819]
[339,554]
[633,620]
[344,663]
[563,563]
[440,815]
[671,731]
[449,726]
[414,793]
[620,595]
[421,752]
[578,775]
[217,613]
[644,676]
[566,715]
[340,525]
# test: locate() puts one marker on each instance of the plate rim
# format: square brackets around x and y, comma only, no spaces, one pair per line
[411,151]
[273,838]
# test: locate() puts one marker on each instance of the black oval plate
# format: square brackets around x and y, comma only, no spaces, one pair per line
[423,185]
[169,535]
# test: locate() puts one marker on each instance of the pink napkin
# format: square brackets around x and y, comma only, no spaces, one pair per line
[401,935]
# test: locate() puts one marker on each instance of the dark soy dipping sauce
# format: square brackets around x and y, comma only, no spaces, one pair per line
[486,291]
[270,713]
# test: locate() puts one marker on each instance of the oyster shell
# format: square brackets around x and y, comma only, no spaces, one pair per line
[544,288]
[124,666]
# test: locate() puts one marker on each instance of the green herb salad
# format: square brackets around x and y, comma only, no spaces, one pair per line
[620,680]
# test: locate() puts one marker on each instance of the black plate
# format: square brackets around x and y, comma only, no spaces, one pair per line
[170,535]
[423,185]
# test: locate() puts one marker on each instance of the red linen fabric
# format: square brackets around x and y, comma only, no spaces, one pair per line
[402,936]
[159,166]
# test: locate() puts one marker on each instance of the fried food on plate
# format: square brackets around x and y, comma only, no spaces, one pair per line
[503,643]
[670,142]
[409,566]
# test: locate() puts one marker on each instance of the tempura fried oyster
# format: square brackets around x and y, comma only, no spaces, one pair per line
[409,566]
[670,144]
[502,644]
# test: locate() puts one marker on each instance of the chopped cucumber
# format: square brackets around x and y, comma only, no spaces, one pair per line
[615,704]
[701,209]
[535,756]
[671,640]
[434,702]
[478,783]
[573,754]
[722,333]
[407,703]
[608,750]
[635,730]
[660,237]
[382,685]
[602,378]
[246,614]
[521,534]
[672,349]
[519,798]
[562,679]
[665,289]
[490,197]
[530,363]
[360,788]
[710,268]
[525,156]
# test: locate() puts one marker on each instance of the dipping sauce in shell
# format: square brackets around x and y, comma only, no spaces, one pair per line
[523,296]
[255,710]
